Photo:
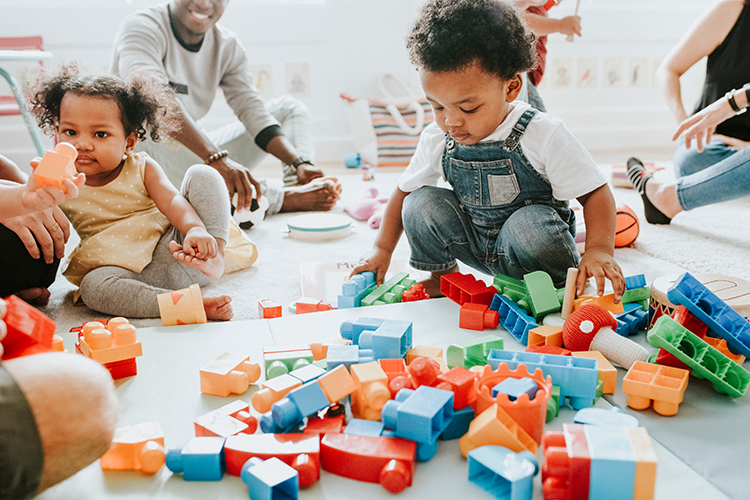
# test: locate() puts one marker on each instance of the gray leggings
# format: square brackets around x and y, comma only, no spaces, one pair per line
[121,292]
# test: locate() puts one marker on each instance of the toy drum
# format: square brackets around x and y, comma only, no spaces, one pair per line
[735,292]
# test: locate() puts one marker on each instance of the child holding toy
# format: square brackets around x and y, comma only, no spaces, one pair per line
[511,168]
[139,236]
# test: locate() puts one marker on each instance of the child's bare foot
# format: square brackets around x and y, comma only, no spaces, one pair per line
[320,195]
[219,308]
[212,267]
[35,296]
[432,284]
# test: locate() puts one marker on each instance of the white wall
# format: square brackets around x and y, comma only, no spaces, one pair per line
[348,43]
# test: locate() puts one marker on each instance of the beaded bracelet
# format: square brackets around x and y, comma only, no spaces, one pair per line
[217,156]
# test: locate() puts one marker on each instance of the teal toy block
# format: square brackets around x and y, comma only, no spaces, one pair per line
[270,479]
[514,387]
[420,415]
[514,289]
[391,340]
[459,423]
[355,289]
[472,352]
[714,312]
[389,292]
[280,361]
[637,281]
[636,295]
[612,473]
[542,294]
[513,318]
[351,330]
[360,427]
[503,473]
[298,404]
[462,288]
[703,359]
[202,459]
[611,417]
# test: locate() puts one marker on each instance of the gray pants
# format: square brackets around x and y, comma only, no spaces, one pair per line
[294,117]
[121,292]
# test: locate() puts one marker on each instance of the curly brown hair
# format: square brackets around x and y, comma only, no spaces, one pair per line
[449,35]
[148,106]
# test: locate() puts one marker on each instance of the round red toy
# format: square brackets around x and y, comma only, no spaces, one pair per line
[627,226]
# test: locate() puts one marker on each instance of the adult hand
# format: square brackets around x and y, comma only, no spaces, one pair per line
[238,180]
[732,142]
[50,228]
[307,172]
[702,124]
[570,25]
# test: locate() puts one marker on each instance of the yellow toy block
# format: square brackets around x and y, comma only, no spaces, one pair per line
[645,465]
[105,346]
[137,447]
[227,374]
[56,166]
[435,353]
[545,335]
[495,426]
[182,307]
[607,372]
[372,390]
[337,384]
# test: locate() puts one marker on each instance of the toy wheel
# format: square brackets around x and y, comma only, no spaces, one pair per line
[152,457]
[306,469]
[395,476]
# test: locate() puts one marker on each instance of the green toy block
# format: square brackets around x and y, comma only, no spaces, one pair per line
[280,362]
[553,404]
[512,288]
[472,352]
[542,294]
[599,390]
[390,291]
[703,359]
[636,295]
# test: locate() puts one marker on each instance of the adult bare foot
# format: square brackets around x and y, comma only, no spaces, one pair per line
[212,267]
[35,296]
[320,195]
[219,308]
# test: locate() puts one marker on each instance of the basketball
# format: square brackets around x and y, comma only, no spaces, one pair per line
[627,226]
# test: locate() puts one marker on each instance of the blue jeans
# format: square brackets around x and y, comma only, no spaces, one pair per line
[719,173]
[533,238]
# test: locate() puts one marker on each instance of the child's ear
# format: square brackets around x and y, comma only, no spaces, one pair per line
[515,85]
[130,142]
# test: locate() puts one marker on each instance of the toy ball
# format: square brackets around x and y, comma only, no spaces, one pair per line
[627,226]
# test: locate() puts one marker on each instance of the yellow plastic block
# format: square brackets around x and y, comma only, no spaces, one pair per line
[227,374]
[435,353]
[182,307]
[56,166]
[495,426]
[607,372]
[273,390]
[372,390]
[337,383]
[545,335]
[106,347]
[137,447]
[646,462]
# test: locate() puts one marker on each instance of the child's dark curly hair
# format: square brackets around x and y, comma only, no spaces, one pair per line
[449,35]
[147,106]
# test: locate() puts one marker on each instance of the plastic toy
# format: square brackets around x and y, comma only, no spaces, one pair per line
[390,340]
[352,160]
[270,479]
[28,330]
[567,466]
[136,447]
[460,424]
[307,305]
[301,401]
[351,330]
[268,308]
[307,373]
[460,382]
[384,460]
[472,352]
[420,415]
[182,307]
[202,459]
[414,293]
[435,353]
[300,451]
[423,371]
[494,426]
[545,335]
[637,281]
[503,473]
[513,318]
[475,316]
[281,360]
[336,384]
[462,288]
[542,294]
[627,227]
[229,373]
[355,289]
[631,320]
[370,208]
[320,349]
[611,417]
[361,427]
[607,372]
[56,166]
[230,419]
[664,385]
[318,425]
[389,292]
[549,349]
[347,355]
[514,387]
[115,346]
[273,390]
[372,390]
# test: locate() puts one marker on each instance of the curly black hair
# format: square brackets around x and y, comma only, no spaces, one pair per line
[450,35]
[148,106]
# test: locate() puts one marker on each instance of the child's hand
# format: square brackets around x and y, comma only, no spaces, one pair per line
[377,261]
[200,244]
[36,199]
[600,265]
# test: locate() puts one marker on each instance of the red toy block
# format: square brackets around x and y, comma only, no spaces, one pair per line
[229,420]
[462,288]
[414,293]
[566,471]
[548,349]
[268,308]
[321,426]
[28,330]
[56,166]
[423,371]
[122,369]
[475,316]
[461,382]
[137,447]
[309,305]
[385,460]
[104,346]
[685,318]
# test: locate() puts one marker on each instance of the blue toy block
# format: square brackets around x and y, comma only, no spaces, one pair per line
[351,330]
[307,373]
[707,307]
[631,320]
[612,472]
[420,415]
[513,318]
[514,387]
[542,294]
[270,479]
[346,355]
[268,426]
[472,352]
[355,289]
[611,417]
[202,459]
[577,377]
[637,281]
[459,423]
[503,473]
[390,341]
[424,451]
[360,427]
[298,404]
[389,292]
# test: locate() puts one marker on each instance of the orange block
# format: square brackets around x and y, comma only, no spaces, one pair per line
[372,391]
[665,385]
[645,463]
[337,384]
[606,301]
[105,346]
[182,307]
[229,373]
[273,390]
[545,335]
[607,372]
[308,305]
[435,353]
[495,426]
[268,308]
[137,447]
[56,166]
[320,349]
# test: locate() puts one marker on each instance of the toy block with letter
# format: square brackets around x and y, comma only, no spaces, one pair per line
[182,307]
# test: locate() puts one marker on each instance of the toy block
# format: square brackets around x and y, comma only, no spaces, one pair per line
[611,417]
[435,353]
[346,355]
[703,360]
[299,451]
[307,305]
[577,377]
[414,293]
[229,373]
[273,390]
[636,295]
[685,318]
[182,307]
[513,318]
[121,369]
[567,464]
[514,387]
[631,320]
[420,415]
[320,349]
[459,424]
[472,352]
[474,316]
[372,390]
[361,427]
[230,419]
[721,346]
[646,463]
[56,166]
[105,347]
[606,301]
[389,292]
[302,401]
[612,473]
[202,459]
[549,349]
[307,373]
[28,331]
[503,473]
[423,371]
[461,382]
[385,460]
[714,312]
[281,360]
[319,426]
[270,479]
[136,447]
[390,340]
[495,426]
[545,335]
[268,309]
[553,404]
[337,384]
[425,451]
[269,426]
[542,294]
[355,289]
[529,413]
[393,367]
[637,281]
[57,344]
[664,385]
[462,288]
[351,330]
[514,289]
[607,372]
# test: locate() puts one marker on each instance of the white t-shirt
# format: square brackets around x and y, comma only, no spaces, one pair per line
[550,148]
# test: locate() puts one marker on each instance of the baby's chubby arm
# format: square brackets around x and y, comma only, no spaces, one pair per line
[600,215]
[378,258]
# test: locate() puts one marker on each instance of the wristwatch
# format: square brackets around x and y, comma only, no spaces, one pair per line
[730,98]
[301,160]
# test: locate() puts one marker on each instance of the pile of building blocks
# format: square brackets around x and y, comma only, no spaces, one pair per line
[389,292]
[113,344]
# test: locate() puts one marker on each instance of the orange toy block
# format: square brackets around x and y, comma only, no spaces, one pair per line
[721,346]
[461,382]
[106,347]
[607,372]
[372,390]
[309,305]
[56,166]
[337,383]
[665,385]
[475,316]
[320,349]
[495,426]
[273,390]
[57,344]
[268,308]
[545,335]
[182,307]
[606,301]
[28,331]
[227,374]
[137,447]
[229,420]
[435,353]
[645,463]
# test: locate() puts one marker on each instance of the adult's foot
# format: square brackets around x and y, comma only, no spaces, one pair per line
[212,267]
[319,195]
[639,178]
[218,308]
[35,296]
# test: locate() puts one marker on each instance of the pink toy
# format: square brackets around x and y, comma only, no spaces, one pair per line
[370,208]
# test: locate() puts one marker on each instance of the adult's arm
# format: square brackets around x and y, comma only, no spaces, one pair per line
[701,125]
[541,25]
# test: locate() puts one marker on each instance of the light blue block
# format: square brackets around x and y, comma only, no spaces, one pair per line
[612,473]
[503,473]
[355,289]
[298,404]
[420,415]
[346,355]
[637,281]
[514,387]
[613,417]
[307,373]
[202,459]
[270,479]
[351,330]
[360,427]
[390,341]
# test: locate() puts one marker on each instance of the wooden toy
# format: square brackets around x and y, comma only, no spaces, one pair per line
[182,307]
[56,166]
[136,447]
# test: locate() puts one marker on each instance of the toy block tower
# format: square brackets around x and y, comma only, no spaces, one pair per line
[182,307]
[56,166]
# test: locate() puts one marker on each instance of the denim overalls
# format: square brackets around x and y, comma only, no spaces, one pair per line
[500,217]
